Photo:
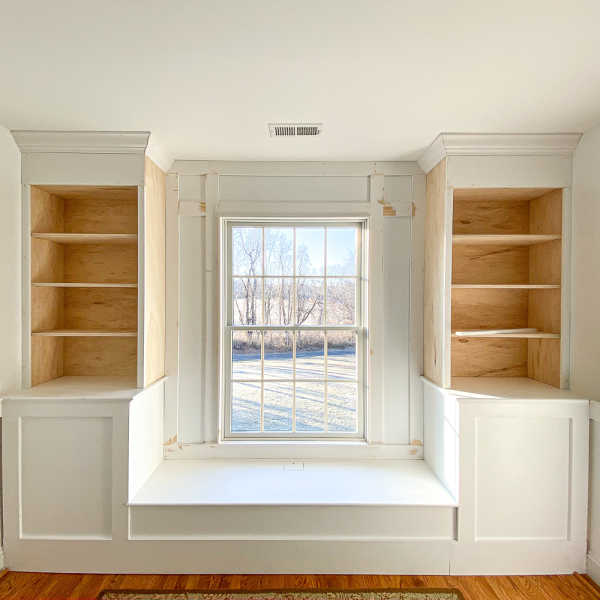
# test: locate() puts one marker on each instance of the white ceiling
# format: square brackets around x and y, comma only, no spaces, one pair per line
[385,77]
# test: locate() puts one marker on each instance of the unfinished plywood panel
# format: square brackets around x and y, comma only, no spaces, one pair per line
[47,212]
[100,308]
[499,194]
[544,361]
[435,274]
[489,357]
[47,359]
[47,261]
[489,309]
[546,213]
[490,217]
[490,264]
[154,276]
[100,263]
[545,263]
[47,308]
[99,356]
[544,310]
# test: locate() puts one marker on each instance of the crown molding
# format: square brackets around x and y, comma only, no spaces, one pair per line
[498,144]
[94,142]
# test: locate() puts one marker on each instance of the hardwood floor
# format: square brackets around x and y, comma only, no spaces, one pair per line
[49,586]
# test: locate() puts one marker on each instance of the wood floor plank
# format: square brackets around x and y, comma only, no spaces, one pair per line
[46,586]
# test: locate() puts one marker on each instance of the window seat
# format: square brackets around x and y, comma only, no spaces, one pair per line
[272,482]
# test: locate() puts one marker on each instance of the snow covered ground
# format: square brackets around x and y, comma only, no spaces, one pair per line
[341,395]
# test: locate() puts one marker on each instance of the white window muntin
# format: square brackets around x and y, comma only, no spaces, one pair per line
[358,327]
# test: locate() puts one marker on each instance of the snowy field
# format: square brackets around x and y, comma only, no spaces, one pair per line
[310,396]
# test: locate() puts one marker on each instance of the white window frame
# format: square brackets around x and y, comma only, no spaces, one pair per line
[360,328]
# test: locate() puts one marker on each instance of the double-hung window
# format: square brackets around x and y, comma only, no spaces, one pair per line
[294,330]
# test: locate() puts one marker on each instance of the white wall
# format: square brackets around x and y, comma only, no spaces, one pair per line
[585,320]
[10,263]
[10,266]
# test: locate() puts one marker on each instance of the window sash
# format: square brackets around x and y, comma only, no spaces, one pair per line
[228,329]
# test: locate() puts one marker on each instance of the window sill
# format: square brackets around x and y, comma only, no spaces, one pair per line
[292,450]
[279,482]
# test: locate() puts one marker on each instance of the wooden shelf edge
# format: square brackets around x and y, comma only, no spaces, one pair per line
[88,238]
[469,286]
[86,333]
[502,239]
[87,285]
[537,335]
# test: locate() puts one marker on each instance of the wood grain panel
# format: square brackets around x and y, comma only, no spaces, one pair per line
[545,263]
[544,361]
[490,308]
[546,213]
[435,274]
[488,217]
[100,263]
[154,279]
[490,264]
[47,261]
[47,212]
[100,308]
[499,194]
[544,310]
[489,357]
[97,356]
[46,359]
[91,193]
[47,308]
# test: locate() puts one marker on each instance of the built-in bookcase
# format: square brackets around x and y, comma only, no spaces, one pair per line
[506,274]
[84,297]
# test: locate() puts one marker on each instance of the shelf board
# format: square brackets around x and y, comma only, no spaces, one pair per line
[87,285]
[88,238]
[507,286]
[502,239]
[87,333]
[537,334]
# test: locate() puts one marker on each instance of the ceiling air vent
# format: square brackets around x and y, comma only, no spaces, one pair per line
[295,129]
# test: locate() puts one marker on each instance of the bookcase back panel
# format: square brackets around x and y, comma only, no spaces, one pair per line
[100,356]
[47,212]
[489,309]
[47,359]
[490,217]
[544,361]
[489,357]
[47,308]
[47,261]
[546,214]
[545,263]
[490,264]
[544,310]
[100,308]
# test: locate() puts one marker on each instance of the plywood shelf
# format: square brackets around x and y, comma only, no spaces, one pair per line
[502,239]
[507,286]
[86,285]
[88,238]
[86,333]
[536,335]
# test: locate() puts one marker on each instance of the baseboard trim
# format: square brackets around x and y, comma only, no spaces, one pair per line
[593,568]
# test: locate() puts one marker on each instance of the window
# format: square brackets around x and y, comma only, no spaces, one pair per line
[294,335]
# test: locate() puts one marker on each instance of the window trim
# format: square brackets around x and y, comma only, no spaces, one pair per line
[361,327]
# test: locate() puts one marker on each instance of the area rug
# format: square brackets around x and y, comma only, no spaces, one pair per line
[390,594]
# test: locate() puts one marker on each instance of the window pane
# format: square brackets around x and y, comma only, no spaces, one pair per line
[310,407]
[245,363]
[342,402]
[310,250]
[341,251]
[309,301]
[341,301]
[279,301]
[341,355]
[247,301]
[247,250]
[310,355]
[245,407]
[279,251]
[279,360]
[278,407]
